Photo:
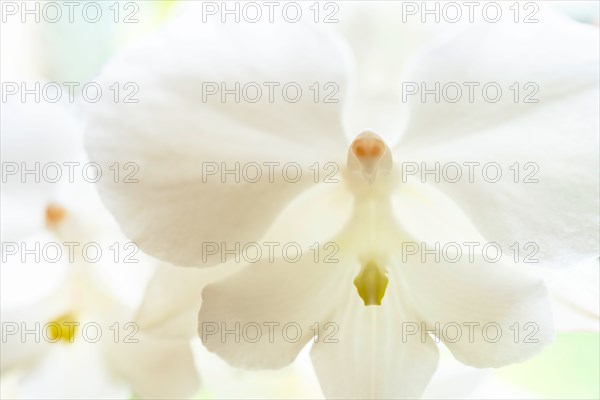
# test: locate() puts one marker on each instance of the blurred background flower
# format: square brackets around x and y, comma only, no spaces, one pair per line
[79,307]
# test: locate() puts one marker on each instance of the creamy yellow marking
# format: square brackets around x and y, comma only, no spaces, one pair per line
[63,328]
[371,284]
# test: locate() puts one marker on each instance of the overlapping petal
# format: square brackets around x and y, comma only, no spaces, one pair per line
[488,314]
[178,206]
[262,316]
[550,197]
[172,299]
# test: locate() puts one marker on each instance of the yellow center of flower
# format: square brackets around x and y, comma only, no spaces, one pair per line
[62,329]
[54,215]
[371,284]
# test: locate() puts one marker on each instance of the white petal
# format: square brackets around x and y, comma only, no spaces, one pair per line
[172,300]
[272,307]
[156,367]
[382,48]
[363,354]
[554,53]
[316,216]
[476,306]
[73,371]
[558,135]
[428,215]
[172,131]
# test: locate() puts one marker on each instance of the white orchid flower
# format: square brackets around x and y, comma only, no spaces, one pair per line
[70,326]
[370,296]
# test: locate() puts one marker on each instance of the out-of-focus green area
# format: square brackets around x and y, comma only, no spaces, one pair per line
[567,369]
